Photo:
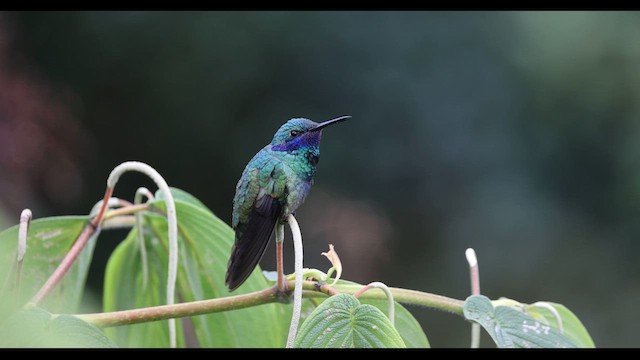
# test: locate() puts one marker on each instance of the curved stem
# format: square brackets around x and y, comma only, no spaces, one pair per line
[556,314]
[387,292]
[142,191]
[172,224]
[94,227]
[333,257]
[297,290]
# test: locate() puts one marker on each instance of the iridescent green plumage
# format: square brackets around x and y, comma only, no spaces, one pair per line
[272,186]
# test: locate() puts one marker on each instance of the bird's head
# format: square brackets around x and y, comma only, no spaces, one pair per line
[301,132]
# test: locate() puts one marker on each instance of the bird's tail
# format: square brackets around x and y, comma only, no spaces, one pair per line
[251,241]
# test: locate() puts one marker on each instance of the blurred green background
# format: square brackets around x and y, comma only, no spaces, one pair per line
[515,133]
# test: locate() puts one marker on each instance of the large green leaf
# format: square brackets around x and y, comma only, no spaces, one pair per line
[124,289]
[407,326]
[38,328]
[512,328]
[571,327]
[204,247]
[48,241]
[342,322]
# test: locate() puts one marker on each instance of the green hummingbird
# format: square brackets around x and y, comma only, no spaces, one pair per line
[272,186]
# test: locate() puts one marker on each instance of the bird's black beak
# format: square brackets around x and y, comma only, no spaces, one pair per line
[331,122]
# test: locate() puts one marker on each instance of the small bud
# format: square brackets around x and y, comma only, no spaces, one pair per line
[333,257]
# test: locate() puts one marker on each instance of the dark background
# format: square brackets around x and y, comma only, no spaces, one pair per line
[515,133]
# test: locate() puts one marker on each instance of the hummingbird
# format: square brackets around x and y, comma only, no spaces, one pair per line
[273,185]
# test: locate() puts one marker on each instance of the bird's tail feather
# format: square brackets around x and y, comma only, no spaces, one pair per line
[251,241]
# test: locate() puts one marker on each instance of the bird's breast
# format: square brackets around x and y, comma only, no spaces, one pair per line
[312,158]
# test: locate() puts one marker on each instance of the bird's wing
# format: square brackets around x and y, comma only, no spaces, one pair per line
[258,211]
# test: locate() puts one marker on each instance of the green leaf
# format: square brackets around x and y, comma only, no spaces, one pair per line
[182,196]
[38,328]
[512,328]
[407,326]
[123,290]
[204,247]
[572,328]
[342,322]
[48,241]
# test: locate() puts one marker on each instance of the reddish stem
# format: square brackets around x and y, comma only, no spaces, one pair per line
[362,290]
[475,280]
[105,202]
[280,266]
[73,253]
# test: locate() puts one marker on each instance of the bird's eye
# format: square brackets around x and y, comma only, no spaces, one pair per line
[294,133]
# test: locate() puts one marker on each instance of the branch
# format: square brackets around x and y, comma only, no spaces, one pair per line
[266,296]
[163,312]
[411,297]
